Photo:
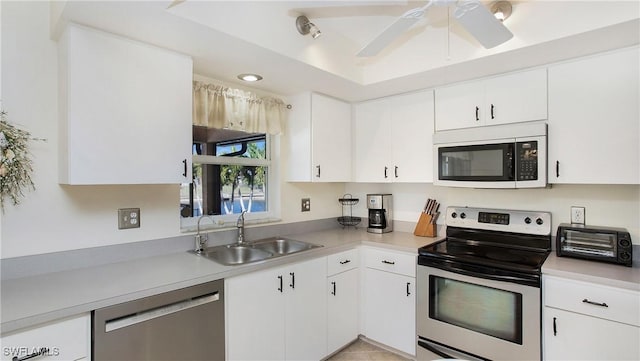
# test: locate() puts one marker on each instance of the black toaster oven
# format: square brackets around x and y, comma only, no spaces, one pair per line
[605,244]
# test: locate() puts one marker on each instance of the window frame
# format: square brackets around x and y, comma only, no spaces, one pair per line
[225,221]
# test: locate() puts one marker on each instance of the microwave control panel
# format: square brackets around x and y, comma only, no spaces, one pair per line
[527,160]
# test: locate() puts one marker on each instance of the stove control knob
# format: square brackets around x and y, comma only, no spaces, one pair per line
[527,220]
[463,216]
[454,215]
[539,221]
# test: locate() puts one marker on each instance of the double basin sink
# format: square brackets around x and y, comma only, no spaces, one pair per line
[249,252]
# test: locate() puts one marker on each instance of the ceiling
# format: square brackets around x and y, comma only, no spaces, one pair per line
[226,38]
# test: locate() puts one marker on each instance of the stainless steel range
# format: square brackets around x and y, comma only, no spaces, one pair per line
[479,289]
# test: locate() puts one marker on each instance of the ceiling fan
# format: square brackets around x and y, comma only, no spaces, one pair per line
[471,14]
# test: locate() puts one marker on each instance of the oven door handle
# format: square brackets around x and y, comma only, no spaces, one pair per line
[434,350]
[468,270]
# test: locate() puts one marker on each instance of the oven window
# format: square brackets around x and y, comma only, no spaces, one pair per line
[487,310]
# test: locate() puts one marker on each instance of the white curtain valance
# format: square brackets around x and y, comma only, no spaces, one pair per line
[216,106]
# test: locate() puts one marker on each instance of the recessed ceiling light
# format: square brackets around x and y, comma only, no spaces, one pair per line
[249,77]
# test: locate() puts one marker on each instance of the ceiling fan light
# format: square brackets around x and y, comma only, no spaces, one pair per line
[501,10]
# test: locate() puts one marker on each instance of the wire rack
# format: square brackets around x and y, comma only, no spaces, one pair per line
[347,219]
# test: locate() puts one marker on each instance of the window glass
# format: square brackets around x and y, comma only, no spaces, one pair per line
[230,174]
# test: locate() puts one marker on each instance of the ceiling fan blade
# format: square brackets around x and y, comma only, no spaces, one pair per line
[394,30]
[482,24]
[174,3]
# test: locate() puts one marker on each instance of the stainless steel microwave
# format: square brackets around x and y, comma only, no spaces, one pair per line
[500,156]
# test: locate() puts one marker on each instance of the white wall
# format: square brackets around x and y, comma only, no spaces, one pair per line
[58,218]
[606,205]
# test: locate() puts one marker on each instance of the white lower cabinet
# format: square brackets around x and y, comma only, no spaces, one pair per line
[342,299]
[389,300]
[585,321]
[278,314]
[69,339]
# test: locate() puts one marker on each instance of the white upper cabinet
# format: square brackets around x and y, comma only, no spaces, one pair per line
[511,98]
[125,111]
[594,126]
[319,139]
[393,139]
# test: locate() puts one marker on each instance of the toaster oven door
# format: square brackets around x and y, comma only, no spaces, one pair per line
[594,244]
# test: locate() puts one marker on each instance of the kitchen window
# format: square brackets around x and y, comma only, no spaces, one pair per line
[231,174]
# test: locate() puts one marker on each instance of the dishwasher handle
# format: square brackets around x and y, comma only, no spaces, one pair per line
[120,322]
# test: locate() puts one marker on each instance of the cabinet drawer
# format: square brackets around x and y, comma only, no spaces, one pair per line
[66,340]
[591,299]
[343,261]
[400,263]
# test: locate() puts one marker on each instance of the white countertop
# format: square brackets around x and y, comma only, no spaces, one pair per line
[595,272]
[30,301]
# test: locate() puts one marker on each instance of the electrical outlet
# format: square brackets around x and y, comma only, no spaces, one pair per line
[577,215]
[305,205]
[128,218]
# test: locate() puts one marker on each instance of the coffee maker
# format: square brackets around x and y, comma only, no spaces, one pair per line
[380,213]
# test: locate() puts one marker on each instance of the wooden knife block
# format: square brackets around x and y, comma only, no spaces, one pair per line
[425,228]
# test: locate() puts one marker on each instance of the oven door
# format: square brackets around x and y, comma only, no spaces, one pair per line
[475,317]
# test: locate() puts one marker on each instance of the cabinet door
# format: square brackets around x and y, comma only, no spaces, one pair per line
[459,106]
[594,132]
[372,142]
[331,139]
[126,114]
[255,315]
[412,143]
[69,339]
[343,308]
[572,336]
[389,309]
[306,310]
[517,97]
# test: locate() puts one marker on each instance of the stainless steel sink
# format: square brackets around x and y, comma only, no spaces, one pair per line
[231,255]
[260,250]
[283,246]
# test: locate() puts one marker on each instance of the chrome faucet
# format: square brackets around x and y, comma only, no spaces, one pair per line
[201,240]
[240,225]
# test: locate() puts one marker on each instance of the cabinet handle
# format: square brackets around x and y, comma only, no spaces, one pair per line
[184,163]
[477,114]
[345,261]
[385,172]
[41,351]
[388,262]
[334,288]
[601,304]
[318,171]
[408,292]
[492,117]
[557,168]
[280,288]
[293,279]
[555,329]
[396,171]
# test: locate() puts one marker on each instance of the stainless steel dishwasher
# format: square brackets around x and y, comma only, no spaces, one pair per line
[186,324]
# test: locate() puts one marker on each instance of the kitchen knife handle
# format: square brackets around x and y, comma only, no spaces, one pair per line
[477,114]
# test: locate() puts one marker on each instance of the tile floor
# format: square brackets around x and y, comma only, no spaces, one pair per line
[362,350]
